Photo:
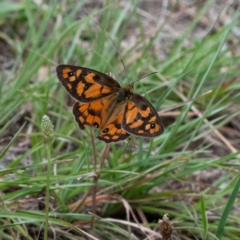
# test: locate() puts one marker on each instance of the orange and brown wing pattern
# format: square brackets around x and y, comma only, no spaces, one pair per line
[140,118]
[92,114]
[112,131]
[103,114]
[85,84]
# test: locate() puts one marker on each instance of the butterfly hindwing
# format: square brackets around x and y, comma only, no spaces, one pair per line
[140,118]
[101,115]
[115,133]
[112,131]
[92,113]
[85,84]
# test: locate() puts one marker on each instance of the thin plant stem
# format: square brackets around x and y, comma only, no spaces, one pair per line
[95,181]
[47,190]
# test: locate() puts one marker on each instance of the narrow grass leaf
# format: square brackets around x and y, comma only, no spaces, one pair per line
[227,210]
[11,142]
[204,217]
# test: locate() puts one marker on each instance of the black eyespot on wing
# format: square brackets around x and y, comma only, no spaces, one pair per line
[96,125]
[88,114]
[105,130]
[152,125]
[112,131]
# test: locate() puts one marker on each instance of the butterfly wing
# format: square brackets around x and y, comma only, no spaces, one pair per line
[104,114]
[140,118]
[112,131]
[85,84]
[98,95]
[92,114]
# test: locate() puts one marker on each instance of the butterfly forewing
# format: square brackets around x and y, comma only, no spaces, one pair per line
[140,118]
[85,84]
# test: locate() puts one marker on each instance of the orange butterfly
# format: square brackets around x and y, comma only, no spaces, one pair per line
[103,103]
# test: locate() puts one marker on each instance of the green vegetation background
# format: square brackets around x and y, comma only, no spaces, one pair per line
[190,172]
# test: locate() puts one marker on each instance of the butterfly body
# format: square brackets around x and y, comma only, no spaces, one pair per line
[101,102]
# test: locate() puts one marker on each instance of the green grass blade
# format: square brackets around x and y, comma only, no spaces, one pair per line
[11,142]
[204,217]
[227,210]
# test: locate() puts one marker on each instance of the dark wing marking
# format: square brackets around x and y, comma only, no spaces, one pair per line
[92,114]
[85,84]
[140,118]
[112,131]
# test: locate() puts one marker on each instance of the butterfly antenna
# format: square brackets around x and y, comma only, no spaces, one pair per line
[124,68]
[145,76]
[108,35]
